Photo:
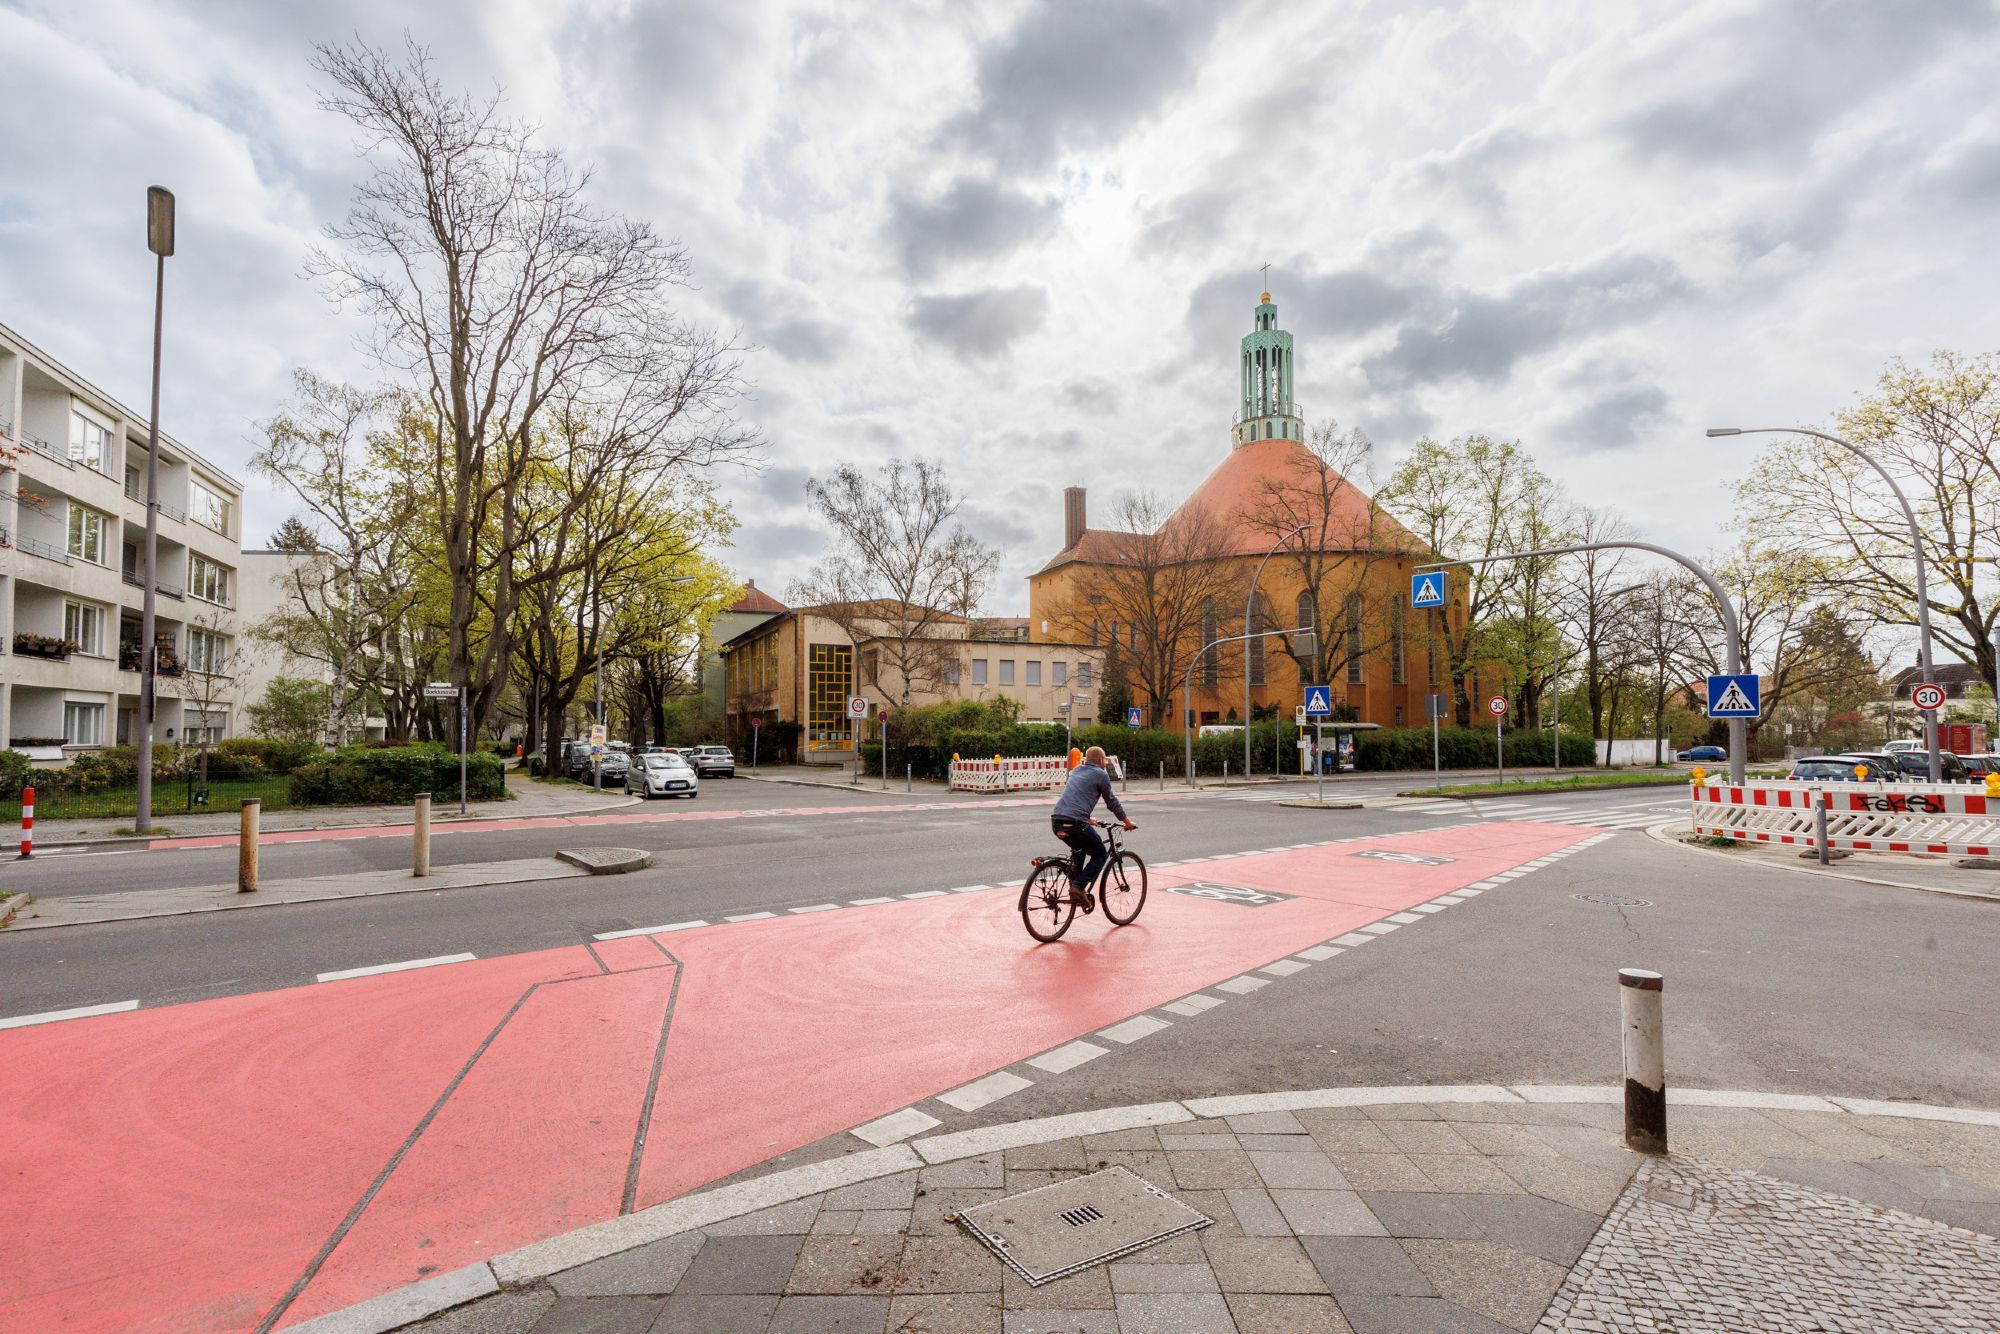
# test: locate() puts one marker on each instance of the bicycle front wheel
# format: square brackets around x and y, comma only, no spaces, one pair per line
[1045,906]
[1123,888]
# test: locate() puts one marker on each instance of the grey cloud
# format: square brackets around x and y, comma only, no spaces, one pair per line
[973,219]
[785,317]
[1485,334]
[1077,76]
[981,325]
[1319,306]
[1191,221]
[808,340]
[1477,168]
[1619,407]
[1763,83]
[1094,395]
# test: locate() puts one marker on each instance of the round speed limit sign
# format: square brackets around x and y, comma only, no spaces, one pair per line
[1497,706]
[1929,697]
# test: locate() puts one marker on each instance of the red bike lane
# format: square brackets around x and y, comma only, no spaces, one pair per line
[210,1165]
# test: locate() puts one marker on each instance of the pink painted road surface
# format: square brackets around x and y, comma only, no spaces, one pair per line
[268,1158]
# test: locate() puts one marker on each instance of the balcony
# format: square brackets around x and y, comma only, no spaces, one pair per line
[1292,410]
[52,647]
[46,550]
[173,591]
[44,448]
[134,492]
[166,662]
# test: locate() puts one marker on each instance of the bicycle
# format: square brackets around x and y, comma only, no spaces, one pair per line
[1046,906]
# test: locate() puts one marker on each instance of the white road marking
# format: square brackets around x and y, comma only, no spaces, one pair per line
[896,1127]
[750,917]
[649,930]
[1133,1029]
[1320,953]
[1284,967]
[1405,918]
[57,1016]
[1244,985]
[1470,892]
[927,894]
[1352,939]
[972,889]
[863,903]
[818,907]
[1381,928]
[971,1097]
[1067,1057]
[1430,907]
[403,967]
[1195,1004]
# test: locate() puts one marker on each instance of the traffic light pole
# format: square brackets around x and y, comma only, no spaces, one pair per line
[1732,629]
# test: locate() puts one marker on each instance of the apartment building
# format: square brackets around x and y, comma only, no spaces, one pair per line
[72,544]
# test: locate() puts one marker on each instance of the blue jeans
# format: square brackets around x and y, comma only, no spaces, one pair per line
[1084,838]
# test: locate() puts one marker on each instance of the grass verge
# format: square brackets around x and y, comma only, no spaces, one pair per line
[1574,783]
[170,797]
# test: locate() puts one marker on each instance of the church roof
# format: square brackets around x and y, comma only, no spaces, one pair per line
[1240,489]
[1097,546]
[755,599]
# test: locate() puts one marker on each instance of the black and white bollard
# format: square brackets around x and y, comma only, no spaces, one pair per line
[1644,1058]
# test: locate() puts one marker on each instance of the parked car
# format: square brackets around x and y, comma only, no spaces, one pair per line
[710,761]
[1916,766]
[659,774]
[612,765]
[1703,753]
[1830,768]
[1978,766]
[1897,747]
[1880,764]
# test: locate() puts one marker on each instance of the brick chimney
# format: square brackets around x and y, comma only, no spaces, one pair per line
[1072,516]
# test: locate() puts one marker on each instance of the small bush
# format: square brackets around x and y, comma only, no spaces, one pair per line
[383,775]
[273,757]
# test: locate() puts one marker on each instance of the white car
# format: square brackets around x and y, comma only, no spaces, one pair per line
[662,774]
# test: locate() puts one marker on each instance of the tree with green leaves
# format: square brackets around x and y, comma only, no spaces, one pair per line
[293,708]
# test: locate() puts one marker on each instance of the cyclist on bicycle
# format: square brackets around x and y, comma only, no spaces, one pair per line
[1088,782]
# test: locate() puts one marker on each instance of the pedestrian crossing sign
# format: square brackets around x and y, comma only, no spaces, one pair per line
[1733,696]
[1427,589]
[1319,702]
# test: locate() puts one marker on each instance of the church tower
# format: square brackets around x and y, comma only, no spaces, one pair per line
[1267,409]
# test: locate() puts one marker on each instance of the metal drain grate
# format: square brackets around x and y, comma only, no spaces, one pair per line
[1613,900]
[1054,1231]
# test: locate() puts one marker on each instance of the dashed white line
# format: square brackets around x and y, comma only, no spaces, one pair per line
[1284,967]
[971,1097]
[1352,938]
[1381,928]
[1067,1057]
[1320,953]
[1244,985]
[1405,918]
[864,903]
[403,967]
[649,930]
[1195,1004]
[1430,907]
[817,907]
[1133,1029]
[927,894]
[57,1016]
[972,889]
[896,1127]
[750,917]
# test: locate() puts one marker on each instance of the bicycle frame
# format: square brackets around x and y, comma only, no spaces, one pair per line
[1074,856]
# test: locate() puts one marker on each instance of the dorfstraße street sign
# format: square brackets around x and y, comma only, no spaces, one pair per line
[1928,696]
[440,690]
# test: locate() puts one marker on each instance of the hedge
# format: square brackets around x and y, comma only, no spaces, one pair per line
[382,775]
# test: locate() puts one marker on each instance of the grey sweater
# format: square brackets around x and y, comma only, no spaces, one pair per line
[1087,783]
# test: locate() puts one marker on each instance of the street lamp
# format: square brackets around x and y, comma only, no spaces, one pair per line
[1916,546]
[1249,605]
[159,240]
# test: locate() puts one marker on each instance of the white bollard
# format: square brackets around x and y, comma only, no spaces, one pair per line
[421,837]
[246,846]
[1644,1058]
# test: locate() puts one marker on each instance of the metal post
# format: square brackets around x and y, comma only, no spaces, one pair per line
[1819,827]
[246,846]
[756,734]
[1249,605]
[1644,1058]
[160,240]
[1225,773]
[462,713]
[1319,763]
[1500,748]
[909,778]
[1556,686]
[1163,775]
[1437,769]
[27,824]
[420,840]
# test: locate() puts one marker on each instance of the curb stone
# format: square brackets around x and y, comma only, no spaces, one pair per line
[705,1208]
[1667,833]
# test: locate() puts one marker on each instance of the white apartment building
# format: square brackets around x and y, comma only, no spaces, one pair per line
[72,543]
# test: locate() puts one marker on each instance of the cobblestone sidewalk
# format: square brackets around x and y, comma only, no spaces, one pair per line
[1412,1217]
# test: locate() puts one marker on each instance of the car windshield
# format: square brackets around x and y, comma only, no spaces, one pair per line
[1825,769]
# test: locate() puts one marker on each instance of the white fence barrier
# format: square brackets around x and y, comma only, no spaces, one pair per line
[1009,775]
[1862,817]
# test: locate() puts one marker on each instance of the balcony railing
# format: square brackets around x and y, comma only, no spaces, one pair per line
[43,447]
[45,550]
[166,663]
[174,591]
[136,493]
[1290,410]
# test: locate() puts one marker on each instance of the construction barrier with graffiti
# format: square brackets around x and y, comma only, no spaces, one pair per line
[1960,819]
[1009,775]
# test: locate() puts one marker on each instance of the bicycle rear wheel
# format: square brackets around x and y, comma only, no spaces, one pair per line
[1123,888]
[1045,907]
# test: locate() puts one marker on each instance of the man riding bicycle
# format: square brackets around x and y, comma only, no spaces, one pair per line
[1070,820]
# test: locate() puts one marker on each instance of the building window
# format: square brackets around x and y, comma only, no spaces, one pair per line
[1398,673]
[1211,659]
[1083,673]
[208,653]
[83,625]
[1059,673]
[207,580]
[829,682]
[979,671]
[83,724]
[205,728]
[208,507]
[1354,664]
[871,666]
[1096,629]
[1006,671]
[86,534]
[1034,673]
[89,444]
[951,672]
[1253,649]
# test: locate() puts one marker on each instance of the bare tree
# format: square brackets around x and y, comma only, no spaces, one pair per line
[504,296]
[209,678]
[905,575]
[1659,631]
[1165,580]
[1590,589]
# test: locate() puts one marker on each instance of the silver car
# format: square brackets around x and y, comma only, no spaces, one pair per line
[662,774]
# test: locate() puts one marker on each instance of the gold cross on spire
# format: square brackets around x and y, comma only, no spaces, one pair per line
[1267,284]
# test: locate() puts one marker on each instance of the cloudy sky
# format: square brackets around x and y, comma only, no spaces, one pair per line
[1025,238]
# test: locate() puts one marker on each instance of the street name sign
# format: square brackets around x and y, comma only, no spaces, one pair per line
[1427,589]
[1928,696]
[1497,706]
[1319,702]
[440,690]
[1733,696]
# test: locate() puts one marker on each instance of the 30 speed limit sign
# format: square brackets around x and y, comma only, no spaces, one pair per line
[1497,706]
[1929,697]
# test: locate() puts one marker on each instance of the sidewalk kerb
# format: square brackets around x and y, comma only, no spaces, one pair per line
[690,1212]
[1244,1103]
[393,1310]
[1660,833]
[1566,1093]
[1016,1134]
[1775,1102]
[1917,1111]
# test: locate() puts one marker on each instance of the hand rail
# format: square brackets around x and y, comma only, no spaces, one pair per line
[44,550]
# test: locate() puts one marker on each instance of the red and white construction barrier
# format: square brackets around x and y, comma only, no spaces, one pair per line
[1009,775]
[27,823]
[1862,817]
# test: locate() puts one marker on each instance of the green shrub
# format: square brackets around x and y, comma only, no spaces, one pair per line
[383,775]
[272,757]
[15,773]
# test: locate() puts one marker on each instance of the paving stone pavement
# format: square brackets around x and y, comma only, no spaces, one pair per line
[1352,1220]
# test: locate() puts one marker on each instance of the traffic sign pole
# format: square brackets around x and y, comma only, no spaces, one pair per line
[1497,706]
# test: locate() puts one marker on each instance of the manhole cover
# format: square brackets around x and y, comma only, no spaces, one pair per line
[1614,900]
[1054,1231]
[1249,898]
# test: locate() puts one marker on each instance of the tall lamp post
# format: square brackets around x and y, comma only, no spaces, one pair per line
[1916,547]
[1249,636]
[159,240]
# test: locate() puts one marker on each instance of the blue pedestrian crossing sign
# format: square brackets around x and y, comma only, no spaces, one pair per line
[1733,696]
[1133,718]
[1319,702]
[1427,589]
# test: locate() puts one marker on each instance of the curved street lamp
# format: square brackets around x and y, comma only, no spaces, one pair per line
[1250,605]
[1916,545]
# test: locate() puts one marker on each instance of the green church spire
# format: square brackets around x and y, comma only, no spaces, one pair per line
[1267,409]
